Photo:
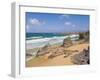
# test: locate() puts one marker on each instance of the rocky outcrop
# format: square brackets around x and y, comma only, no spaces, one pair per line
[84,35]
[43,50]
[67,43]
[81,58]
[56,52]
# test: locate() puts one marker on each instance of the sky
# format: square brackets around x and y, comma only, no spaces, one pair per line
[56,23]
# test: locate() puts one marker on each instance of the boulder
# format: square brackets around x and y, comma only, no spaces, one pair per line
[81,58]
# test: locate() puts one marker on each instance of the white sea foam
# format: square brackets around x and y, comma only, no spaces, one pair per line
[44,41]
[30,38]
[73,36]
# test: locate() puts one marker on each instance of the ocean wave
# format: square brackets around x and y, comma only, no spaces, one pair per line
[30,38]
[74,36]
[42,42]
[45,39]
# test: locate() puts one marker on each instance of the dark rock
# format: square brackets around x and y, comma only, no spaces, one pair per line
[82,57]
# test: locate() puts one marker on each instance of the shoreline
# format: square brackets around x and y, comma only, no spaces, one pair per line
[58,60]
[51,40]
[36,49]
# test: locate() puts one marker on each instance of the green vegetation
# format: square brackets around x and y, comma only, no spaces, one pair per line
[81,35]
[84,35]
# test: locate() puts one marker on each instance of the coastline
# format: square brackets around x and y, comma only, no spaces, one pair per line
[58,60]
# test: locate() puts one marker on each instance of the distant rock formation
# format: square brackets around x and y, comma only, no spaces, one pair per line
[84,35]
[67,43]
[82,57]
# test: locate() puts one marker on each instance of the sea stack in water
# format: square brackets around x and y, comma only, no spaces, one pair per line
[67,42]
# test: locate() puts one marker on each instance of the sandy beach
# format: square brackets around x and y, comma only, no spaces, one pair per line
[59,60]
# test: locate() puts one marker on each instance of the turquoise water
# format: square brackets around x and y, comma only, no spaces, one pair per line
[36,40]
[30,36]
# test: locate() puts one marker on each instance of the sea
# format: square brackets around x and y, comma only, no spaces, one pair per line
[36,40]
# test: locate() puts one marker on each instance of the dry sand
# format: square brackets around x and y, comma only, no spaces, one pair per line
[58,60]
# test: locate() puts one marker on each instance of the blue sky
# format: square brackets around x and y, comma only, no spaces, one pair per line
[56,23]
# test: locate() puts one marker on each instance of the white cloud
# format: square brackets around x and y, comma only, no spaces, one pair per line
[64,16]
[68,23]
[35,21]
